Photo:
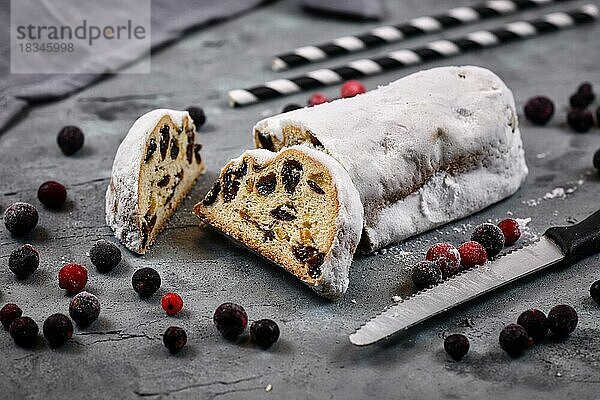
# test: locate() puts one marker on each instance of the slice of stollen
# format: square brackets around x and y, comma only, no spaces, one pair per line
[425,150]
[156,165]
[296,208]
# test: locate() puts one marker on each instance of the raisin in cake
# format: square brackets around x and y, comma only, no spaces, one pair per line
[422,151]
[156,165]
[297,208]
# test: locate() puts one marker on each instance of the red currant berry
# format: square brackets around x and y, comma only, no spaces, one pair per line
[317,98]
[472,254]
[172,303]
[511,230]
[72,278]
[446,257]
[352,88]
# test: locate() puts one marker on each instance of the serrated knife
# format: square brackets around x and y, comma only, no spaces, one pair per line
[558,244]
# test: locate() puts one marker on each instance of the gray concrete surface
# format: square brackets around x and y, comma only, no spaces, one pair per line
[122,356]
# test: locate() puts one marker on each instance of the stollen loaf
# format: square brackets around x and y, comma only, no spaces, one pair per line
[427,149]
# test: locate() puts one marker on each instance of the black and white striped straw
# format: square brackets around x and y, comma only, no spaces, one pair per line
[395,33]
[438,49]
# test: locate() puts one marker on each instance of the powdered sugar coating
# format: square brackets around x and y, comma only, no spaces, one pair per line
[422,151]
[122,209]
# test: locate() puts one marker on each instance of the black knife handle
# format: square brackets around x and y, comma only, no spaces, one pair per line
[579,240]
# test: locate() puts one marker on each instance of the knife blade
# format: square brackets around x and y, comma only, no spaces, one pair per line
[556,245]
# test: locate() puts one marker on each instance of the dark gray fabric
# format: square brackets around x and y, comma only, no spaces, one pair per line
[170,20]
[357,9]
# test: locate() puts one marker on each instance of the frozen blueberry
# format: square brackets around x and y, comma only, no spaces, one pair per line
[24,261]
[562,320]
[597,160]
[426,274]
[146,281]
[197,115]
[580,120]
[539,110]
[105,255]
[490,237]
[24,331]
[9,313]
[84,308]
[264,332]
[174,339]
[70,139]
[231,320]
[20,218]
[291,107]
[457,346]
[52,194]
[58,329]
[595,291]
[586,92]
[535,323]
[578,101]
[514,339]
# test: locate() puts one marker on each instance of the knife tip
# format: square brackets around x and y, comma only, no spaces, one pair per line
[359,340]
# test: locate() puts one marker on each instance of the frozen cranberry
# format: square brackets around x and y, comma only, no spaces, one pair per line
[511,230]
[490,237]
[72,278]
[70,139]
[317,98]
[352,88]
[52,194]
[446,256]
[231,320]
[8,313]
[172,303]
[472,254]
[580,120]
[539,110]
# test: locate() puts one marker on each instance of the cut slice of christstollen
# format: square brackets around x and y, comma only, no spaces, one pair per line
[156,165]
[297,208]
